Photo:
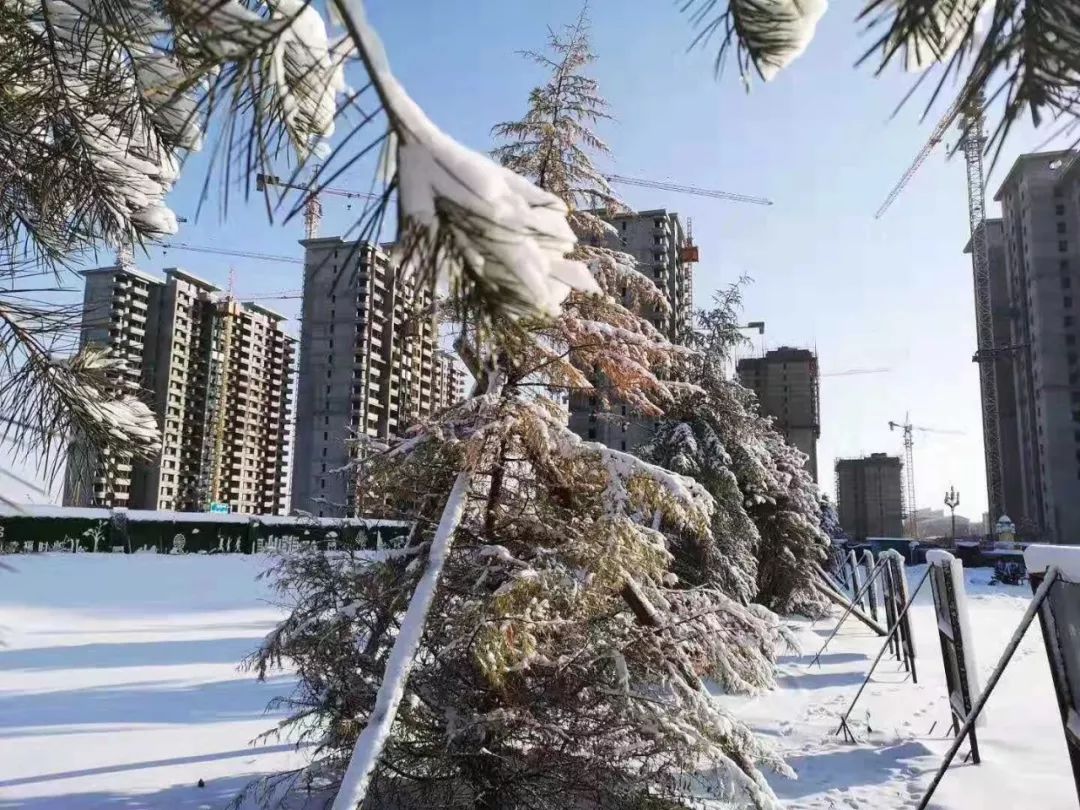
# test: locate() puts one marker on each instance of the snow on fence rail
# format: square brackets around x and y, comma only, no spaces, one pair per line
[32,529]
[1059,617]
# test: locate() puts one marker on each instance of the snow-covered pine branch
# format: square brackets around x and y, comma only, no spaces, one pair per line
[1025,52]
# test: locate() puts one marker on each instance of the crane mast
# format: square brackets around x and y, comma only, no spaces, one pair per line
[974,142]
[968,108]
[909,472]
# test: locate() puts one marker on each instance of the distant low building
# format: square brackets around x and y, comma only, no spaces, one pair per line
[938,523]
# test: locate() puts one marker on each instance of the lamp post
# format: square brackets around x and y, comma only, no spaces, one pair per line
[952,500]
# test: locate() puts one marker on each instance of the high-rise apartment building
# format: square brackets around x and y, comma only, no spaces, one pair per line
[665,254]
[369,366]
[448,384]
[785,381]
[217,374]
[1040,207]
[869,496]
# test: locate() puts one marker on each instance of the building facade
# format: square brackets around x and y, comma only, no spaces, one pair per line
[369,367]
[785,381]
[1008,414]
[216,372]
[1040,207]
[448,385]
[664,253]
[869,496]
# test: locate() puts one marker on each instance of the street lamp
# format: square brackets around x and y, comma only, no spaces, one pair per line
[952,500]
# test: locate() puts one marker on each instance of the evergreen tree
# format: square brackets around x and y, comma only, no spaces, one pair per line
[555,655]
[555,144]
[830,523]
[767,524]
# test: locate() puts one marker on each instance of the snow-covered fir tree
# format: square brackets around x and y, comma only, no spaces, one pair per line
[533,645]
[830,522]
[555,143]
[767,532]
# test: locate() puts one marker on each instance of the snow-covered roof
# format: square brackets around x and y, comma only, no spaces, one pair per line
[52,511]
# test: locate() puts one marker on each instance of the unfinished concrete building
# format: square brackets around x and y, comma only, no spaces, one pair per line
[1008,414]
[1040,205]
[666,255]
[369,366]
[119,310]
[785,381]
[869,496]
[217,374]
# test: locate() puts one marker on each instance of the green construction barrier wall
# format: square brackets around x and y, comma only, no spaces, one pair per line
[40,529]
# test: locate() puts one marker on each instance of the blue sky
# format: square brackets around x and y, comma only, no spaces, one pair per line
[818,141]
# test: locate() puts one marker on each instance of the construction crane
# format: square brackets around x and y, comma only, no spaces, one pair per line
[909,464]
[211,483]
[699,192]
[313,207]
[246,254]
[851,372]
[968,108]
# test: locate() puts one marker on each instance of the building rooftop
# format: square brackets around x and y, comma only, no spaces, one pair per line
[991,224]
[269,313]
[876,458]
[653,212]
[783,354]
[337,241]
[1026,160]
[114,268]
[184,275]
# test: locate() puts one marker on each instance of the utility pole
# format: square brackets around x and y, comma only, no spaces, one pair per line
[952,500]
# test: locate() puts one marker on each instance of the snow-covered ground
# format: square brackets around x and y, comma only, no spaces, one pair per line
[119,684]
[1024,760]
[119,688]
